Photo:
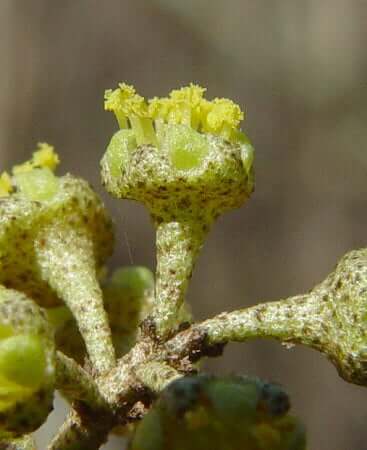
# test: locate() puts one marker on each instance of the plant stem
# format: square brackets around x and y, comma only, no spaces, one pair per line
[290,320]
[330,318]
[178,245]
[298,319]
[156,375]
[77,384]
[66,260]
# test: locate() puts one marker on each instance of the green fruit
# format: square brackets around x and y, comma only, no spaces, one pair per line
[230,413]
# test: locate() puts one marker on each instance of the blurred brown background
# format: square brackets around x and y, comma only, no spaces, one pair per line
[299,68]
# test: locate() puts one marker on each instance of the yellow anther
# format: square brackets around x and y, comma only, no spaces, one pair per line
[159,108]
[186,106]
[46,156]
[131,110]
[125,100]
[182,107]
[223,117]
[191,95]
[6,186]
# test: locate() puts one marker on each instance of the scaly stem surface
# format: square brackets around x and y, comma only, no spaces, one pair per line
[72,275]
[330,318]
[290,320]
[178,245]
[298,319]
[156,375]
[77,384]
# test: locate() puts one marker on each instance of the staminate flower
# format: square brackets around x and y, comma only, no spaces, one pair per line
[54,236]
[188,162]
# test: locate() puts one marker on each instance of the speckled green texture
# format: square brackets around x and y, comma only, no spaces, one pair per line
[219,182]
[28,410]
[156,375]
[226,413]
[51,250]
[330,318]
[183,204]
[75,383]
[178,246]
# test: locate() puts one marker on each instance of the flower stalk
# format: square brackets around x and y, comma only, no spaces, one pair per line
[178,246]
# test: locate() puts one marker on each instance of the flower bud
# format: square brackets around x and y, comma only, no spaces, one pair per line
[27,366]
[219,412]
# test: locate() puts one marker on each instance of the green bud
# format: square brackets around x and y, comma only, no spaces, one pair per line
[186,147]
[37,184]
[23,360]
[135,284]
[117,153]
[211,412]
[27,365]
